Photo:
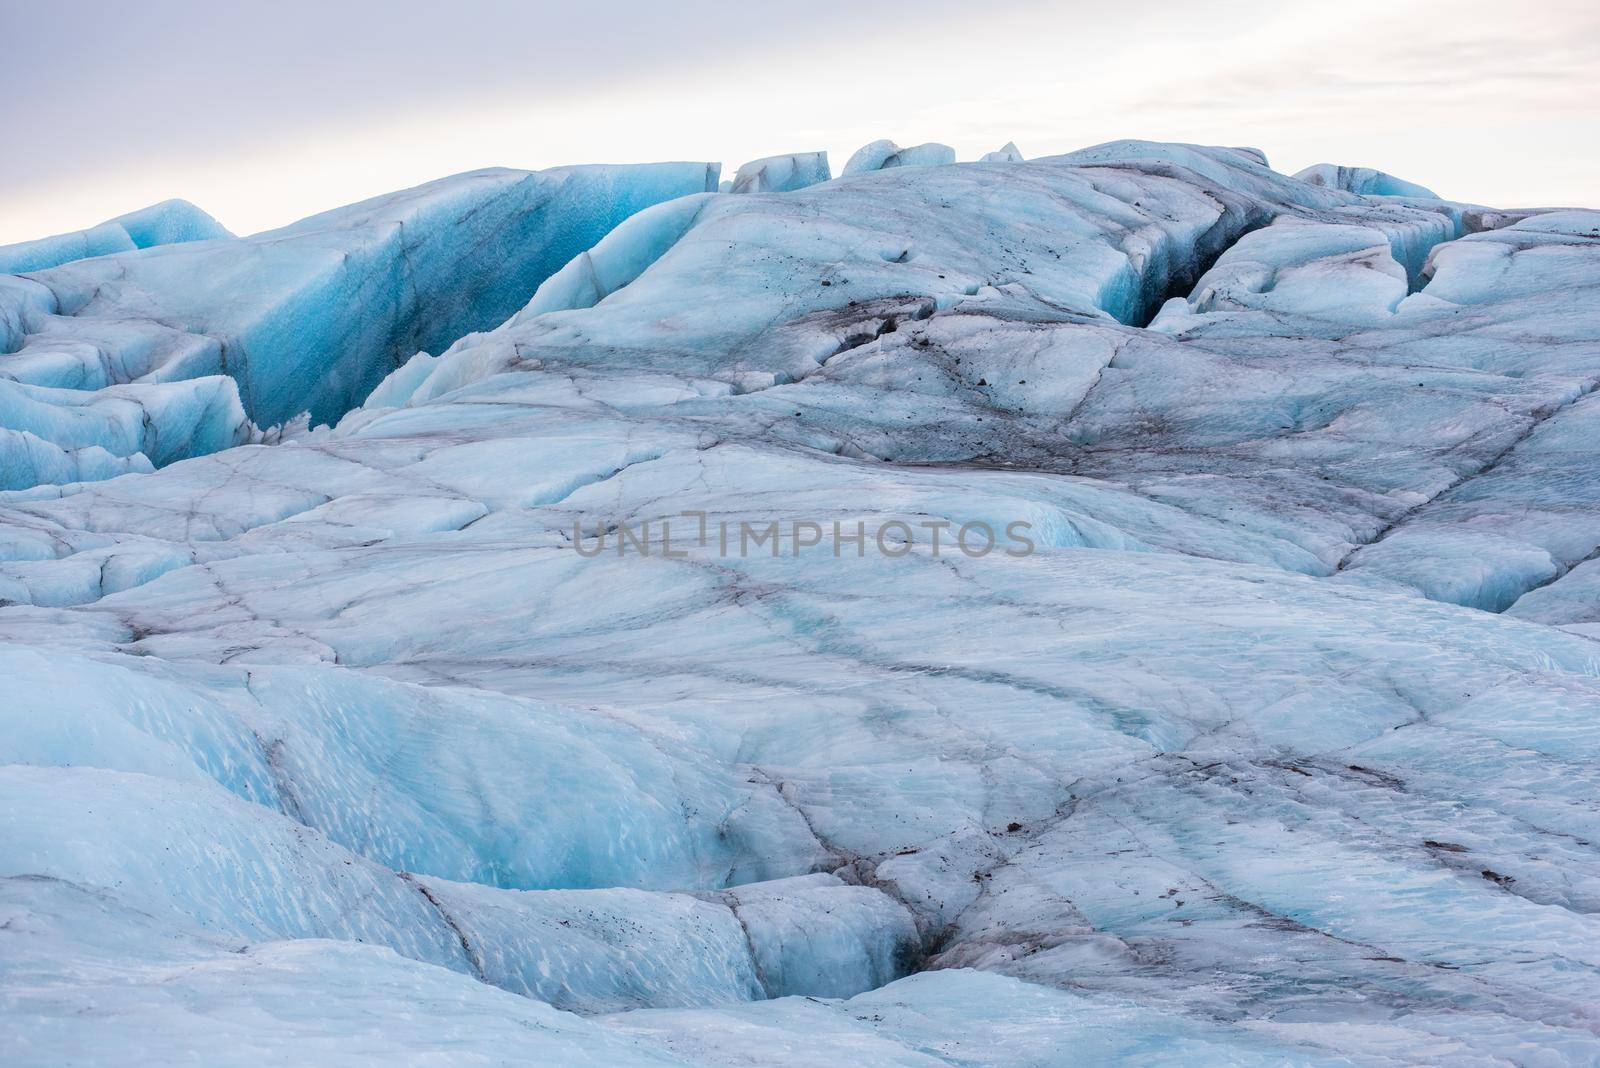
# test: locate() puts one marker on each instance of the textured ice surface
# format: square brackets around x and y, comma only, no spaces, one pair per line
[1279,748]
[306,319]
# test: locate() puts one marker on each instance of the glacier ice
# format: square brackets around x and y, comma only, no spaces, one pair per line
[308,318]
[884,154]
[1364,180]
[869,157]
[780,174]
[1279,747]
[1006,153]
[615,260]
[170,222]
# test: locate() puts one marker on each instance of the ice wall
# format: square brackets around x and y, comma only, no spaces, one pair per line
[308,318]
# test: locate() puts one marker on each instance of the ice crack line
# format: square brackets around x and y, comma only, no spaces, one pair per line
[474,958]
[1488,468]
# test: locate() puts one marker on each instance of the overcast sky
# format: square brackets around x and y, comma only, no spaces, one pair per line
[263,113]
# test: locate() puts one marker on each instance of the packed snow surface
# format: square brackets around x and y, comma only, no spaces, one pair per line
[614,669]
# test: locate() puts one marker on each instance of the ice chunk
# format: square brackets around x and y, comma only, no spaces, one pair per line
[1006,153]
[931,154]
[71,710]
[395,771]
[869,157]
[779,174]
[1362,180]
[885,154]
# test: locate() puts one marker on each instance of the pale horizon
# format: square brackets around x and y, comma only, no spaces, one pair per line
[260,121]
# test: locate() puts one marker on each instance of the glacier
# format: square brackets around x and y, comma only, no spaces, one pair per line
[380,681]
[307,319]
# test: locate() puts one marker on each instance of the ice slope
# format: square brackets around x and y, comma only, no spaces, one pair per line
[304,319]
[336,748]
